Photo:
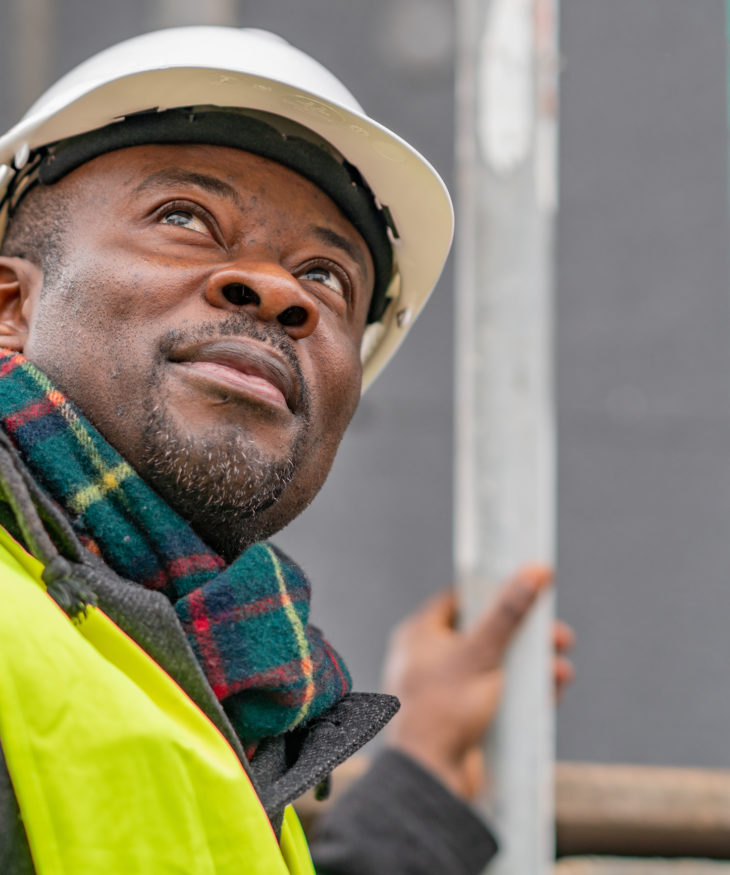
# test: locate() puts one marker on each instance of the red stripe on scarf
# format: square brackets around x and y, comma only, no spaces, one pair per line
[9,365]
[33,411]
[259,607]
[283,675]
[335,663]
[185,565]
[210,655]
[181,567]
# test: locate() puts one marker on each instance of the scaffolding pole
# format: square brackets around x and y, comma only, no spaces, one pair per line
[505,468]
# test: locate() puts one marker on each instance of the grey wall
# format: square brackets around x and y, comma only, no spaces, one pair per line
[643,364]
[644,380]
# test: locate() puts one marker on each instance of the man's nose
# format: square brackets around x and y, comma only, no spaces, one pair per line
[266,291]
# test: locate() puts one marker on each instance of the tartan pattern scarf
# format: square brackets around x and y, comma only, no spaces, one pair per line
[247,622]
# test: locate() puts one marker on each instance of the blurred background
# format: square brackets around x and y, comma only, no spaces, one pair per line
[643,358]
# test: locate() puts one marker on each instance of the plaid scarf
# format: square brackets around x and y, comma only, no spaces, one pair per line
[247,623]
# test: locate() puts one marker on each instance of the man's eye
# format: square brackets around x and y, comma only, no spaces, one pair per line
[185,219]
[326,277]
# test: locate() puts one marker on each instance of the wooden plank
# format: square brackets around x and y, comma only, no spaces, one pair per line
[623,866]
[642,810]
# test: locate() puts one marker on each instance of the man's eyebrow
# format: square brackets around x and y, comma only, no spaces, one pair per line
[332,238]
[176,176]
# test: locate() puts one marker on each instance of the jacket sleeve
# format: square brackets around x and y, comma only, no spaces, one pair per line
[398,818]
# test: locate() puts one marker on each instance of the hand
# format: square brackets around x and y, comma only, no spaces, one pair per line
[449,682]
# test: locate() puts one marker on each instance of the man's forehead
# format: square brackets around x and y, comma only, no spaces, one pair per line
[166,177]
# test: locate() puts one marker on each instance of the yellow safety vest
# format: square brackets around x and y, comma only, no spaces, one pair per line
[115,768]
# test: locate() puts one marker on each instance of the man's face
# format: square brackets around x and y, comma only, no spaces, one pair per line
[206,316]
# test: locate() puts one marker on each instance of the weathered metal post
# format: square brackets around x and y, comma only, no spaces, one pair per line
[504,505]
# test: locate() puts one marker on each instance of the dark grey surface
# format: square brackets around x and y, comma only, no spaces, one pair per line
[644,368]
[643,362]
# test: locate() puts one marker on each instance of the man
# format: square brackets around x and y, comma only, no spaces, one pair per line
[209,250]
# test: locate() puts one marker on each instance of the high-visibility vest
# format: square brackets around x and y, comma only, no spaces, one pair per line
[115,768]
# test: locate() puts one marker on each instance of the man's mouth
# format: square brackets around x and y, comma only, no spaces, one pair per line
[245,367]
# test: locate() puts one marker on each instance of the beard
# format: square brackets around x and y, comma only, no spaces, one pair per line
[219,482]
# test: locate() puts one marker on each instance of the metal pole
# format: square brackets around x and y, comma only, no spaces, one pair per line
[504,503]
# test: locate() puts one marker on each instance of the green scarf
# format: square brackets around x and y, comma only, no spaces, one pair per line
[247,622]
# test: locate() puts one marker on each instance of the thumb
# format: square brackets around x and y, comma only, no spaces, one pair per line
[495,629]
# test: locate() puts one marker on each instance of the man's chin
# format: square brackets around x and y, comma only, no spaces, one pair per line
[226,503]
[222,484]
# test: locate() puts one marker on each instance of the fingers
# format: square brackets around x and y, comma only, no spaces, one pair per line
[563,637]
[495,629]
[563,669]
[563,676]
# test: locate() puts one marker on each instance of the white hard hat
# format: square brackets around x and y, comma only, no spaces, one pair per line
[258,71]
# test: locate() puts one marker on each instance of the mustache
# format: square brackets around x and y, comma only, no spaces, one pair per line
[242,325]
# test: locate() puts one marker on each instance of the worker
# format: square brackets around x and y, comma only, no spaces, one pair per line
[208,251]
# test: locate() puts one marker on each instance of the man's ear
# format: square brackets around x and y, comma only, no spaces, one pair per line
[20,287]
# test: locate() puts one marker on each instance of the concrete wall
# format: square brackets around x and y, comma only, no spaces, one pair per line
[643,362]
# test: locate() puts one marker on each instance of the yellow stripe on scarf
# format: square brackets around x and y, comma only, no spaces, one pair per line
[300,637]
[109,479]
